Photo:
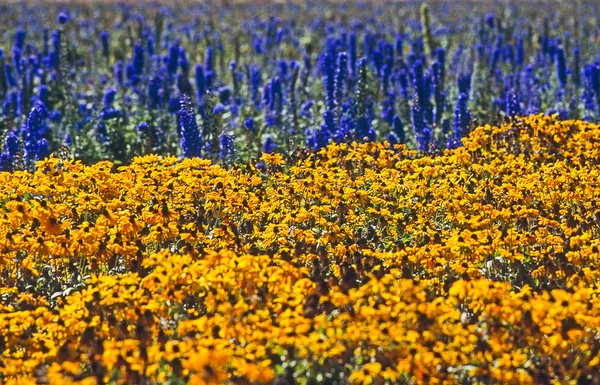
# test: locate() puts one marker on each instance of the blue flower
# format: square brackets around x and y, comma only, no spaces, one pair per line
[218,109]
[462,116]
[224,95]
[329,80]
[62,18]
[513,105]
[56,116]
[249,124]
[227,148]
[111,113]
[463,81]
[398,129]
[118,72]
[561,67]
[109,98]
[341,74]
[269,146]
[173,62]
[104,43]
[173,105]
[143,127]
[353,53]
[34,144]
[364,131]
[9,75]
[306,107]
[200,85]
[12,144]
[138,59]
[191,141]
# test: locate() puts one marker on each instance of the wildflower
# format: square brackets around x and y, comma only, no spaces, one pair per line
[104,42]
[218,109]
[341,73]
[352,53]
[269,145]
[462,116]
[398,129]
[561,67]
[329,81]
[173,63]
[191,142]
[305,108]
[208,68]
[34,146]
[62,18]
[138,59]
[227,147]
[249,124]
[118,72]
[513,105]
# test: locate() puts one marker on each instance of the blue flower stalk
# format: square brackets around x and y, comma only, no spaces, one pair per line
[561,67]
[591,92]
[17,55]
[463,82]
[10,153]
[513,104]
[227,148]
[399,47]
[118,73]
[254,82]
[361,87]
[462,118]
[438,93]
[269,146]
[320,137]
[108,112]
[441,59]
[183,84]
[328,69]
[200,84]
[293,98]
[341,75]
[55,53]
[421,89]
[9,75]
[576,68]
[34,144]
[46,42]
[9,107]
[154,97]
[20,36]
[235,81]
[173,61]
[105,44]
[352,43]
[519,53]
[191,141]
[184,63]
[364,131]
[398,129]
[416,115]
[403,82]
[209,74]
[423,134]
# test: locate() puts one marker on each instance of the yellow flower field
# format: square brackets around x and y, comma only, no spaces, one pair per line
[358,264]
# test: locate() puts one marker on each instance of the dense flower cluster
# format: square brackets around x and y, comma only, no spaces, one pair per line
[81,78]
[359,263]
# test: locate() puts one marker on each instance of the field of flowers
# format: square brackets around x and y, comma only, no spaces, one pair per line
[363,193]
[357,263]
